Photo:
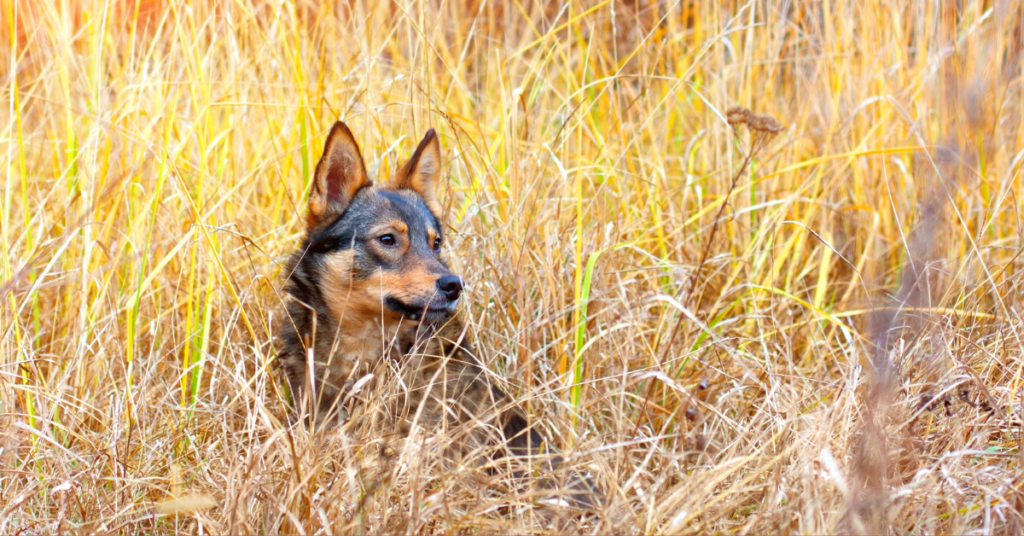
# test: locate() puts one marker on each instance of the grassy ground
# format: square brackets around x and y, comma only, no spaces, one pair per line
[814,332]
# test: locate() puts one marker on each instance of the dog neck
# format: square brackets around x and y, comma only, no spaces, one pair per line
[352,336]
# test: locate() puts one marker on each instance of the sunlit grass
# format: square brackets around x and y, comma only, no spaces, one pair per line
[826,340]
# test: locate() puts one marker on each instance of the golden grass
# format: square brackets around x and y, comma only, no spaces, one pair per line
[832,345]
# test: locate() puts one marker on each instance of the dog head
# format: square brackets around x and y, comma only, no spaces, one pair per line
[376,248]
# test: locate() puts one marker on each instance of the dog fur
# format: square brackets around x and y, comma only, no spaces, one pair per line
[370,288]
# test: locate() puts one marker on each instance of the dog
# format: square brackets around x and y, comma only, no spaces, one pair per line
[371,291]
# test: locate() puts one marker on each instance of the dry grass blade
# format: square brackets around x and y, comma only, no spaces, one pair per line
[186,505]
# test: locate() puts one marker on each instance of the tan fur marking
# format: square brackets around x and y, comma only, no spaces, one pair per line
[395,226]
[366,328]
[413,286]
[337,282]
[357,302]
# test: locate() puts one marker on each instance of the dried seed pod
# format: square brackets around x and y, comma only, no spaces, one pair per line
[762,127]
[765,124]
[737,116]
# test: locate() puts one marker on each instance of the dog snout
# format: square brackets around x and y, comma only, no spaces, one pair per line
[450,286]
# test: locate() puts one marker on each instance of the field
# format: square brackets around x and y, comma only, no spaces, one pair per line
[735,328]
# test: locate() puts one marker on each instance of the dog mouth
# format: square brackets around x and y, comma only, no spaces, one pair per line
[428,312]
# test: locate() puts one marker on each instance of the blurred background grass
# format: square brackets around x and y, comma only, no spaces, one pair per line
[826,340]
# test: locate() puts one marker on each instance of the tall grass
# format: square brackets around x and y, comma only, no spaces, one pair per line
[825,340]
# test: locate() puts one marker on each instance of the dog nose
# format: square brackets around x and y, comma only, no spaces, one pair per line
[450,286]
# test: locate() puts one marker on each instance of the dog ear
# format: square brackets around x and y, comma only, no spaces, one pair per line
[339,175]
[422,173]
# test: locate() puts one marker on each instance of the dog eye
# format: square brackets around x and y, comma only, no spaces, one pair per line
[437,244]
[387,240]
